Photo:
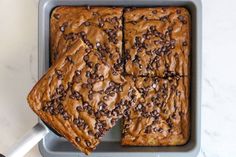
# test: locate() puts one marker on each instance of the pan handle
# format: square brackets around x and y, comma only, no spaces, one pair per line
[29,140]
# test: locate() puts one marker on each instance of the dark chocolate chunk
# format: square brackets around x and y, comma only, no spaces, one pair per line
[77,139]
[59,74]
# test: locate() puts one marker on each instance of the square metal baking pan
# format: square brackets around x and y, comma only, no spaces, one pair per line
[54,146]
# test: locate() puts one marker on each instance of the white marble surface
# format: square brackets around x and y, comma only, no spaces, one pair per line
[18,73]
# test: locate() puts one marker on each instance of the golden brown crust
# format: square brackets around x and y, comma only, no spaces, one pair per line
[81,97]
[161,116]
[102,26]
[157,41]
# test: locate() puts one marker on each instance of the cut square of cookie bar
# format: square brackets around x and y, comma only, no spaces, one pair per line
[99,27]
[157,41]
[160,116]
[81,97]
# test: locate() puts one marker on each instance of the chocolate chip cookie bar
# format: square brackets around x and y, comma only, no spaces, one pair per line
[99,27]
[160,116]
[81,96]
[157,41]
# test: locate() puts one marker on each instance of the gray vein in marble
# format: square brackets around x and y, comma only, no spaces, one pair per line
[11,68]
[211,134]
[31,71]
[207,106]
[228,119]
[208,82]
[4,122]
[203,152]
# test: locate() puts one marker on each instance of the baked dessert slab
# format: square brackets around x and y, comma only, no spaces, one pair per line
[101,27]
[160,116]
[157,41]
[81,96]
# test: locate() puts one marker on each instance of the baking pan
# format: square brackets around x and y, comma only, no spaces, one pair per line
[55,146]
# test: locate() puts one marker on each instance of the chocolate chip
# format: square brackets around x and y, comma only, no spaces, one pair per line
[82,33]
[144,113]
[84,126]
[114,112]
[160,130]
[136,59]
[100,22]
[144,18]
[56,16]
[77,72]
[154,85]
[139,107]
[70,36]
[90,92]
[185,43]
[155,113]
[88,74]
[155,129]
[108,19]
[87,23]
[62,28]
[181,19]
[154,11]
[86,58]
[95,14]
[102,105]
[60,89]
[66,116]
[60,108]
[113,121]
[90,86]
[97,114]
[85,104]
[89,64]
[69,59]
[90,45]
[90,81]
[87,50]
[164,18]
[101,78]
[170,28]
[169,122]
[148,129]
[90,96]
[98,44]
[55,55]
[105,98]
[111,83]
[90,111]
[178,11]
[45,108]
[76,95]
[120,89]
[114,20]
[166,65]
[59,74]
[76,121]
[84,85]
[152,28]
[96,66]
[77,139]
[90,132]
[79,108]
[87,143]
[174,116]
